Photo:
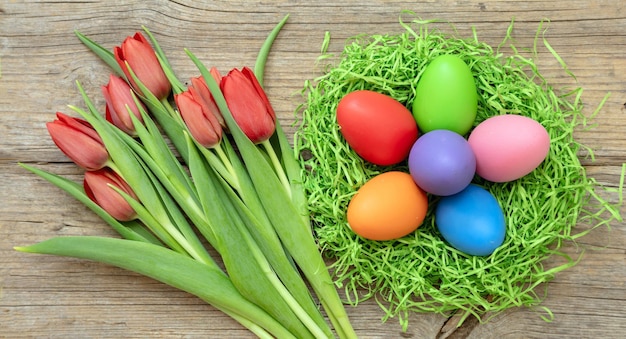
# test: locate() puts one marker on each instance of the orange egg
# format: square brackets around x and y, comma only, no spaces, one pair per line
[388,206]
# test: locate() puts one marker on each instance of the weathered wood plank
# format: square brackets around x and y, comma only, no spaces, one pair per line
[41,60]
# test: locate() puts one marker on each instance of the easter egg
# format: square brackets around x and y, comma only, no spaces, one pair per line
[388,206]
[471,221]
[376,126]
[508,147]
[441,162]
[446,96]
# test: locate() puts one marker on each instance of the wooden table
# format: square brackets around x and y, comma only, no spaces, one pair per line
[45,296]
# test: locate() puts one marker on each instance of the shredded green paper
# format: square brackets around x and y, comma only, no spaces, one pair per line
[421,272]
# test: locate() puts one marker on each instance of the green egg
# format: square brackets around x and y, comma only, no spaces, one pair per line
[445,96]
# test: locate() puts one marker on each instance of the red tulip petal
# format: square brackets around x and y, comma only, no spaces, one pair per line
[97,187]
[247,107]
[73,139]
[201,129]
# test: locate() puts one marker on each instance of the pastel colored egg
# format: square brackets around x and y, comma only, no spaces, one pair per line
[442,163]
[388,206]
[446,96]
[471,221]
[508,147]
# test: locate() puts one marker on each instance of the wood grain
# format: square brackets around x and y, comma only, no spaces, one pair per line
[40,61]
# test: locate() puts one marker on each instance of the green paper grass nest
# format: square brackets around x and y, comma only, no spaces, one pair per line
[421,272]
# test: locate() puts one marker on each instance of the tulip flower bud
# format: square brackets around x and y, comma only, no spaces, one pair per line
[117,94]
[138,53]
[77,139]
[98,188]
[201,122]
[203,95]
[248,104]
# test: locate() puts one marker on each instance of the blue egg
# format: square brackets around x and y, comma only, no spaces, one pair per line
[471,221]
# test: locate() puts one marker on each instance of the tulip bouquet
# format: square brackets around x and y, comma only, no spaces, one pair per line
[231,180]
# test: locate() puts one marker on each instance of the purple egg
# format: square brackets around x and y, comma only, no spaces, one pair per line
[442,163]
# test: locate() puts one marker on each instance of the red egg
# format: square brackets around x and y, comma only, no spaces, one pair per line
[378,128]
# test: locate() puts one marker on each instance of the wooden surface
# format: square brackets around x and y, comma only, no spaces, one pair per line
[52,297]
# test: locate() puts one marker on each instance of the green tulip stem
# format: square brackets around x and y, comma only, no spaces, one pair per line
[283,292]
[229,166]
[223,167]
[263,263]
[248,205]
[250,325]
[163,232]
[177,86]
[172,112]
[243,259]
[277,166]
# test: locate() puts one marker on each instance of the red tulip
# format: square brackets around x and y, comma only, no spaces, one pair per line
[98,188]
[117,94]
[79,141]
[205,98]
[248,104]
[138,53]
[200,120]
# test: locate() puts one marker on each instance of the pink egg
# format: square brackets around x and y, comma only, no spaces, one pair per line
[507,147]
